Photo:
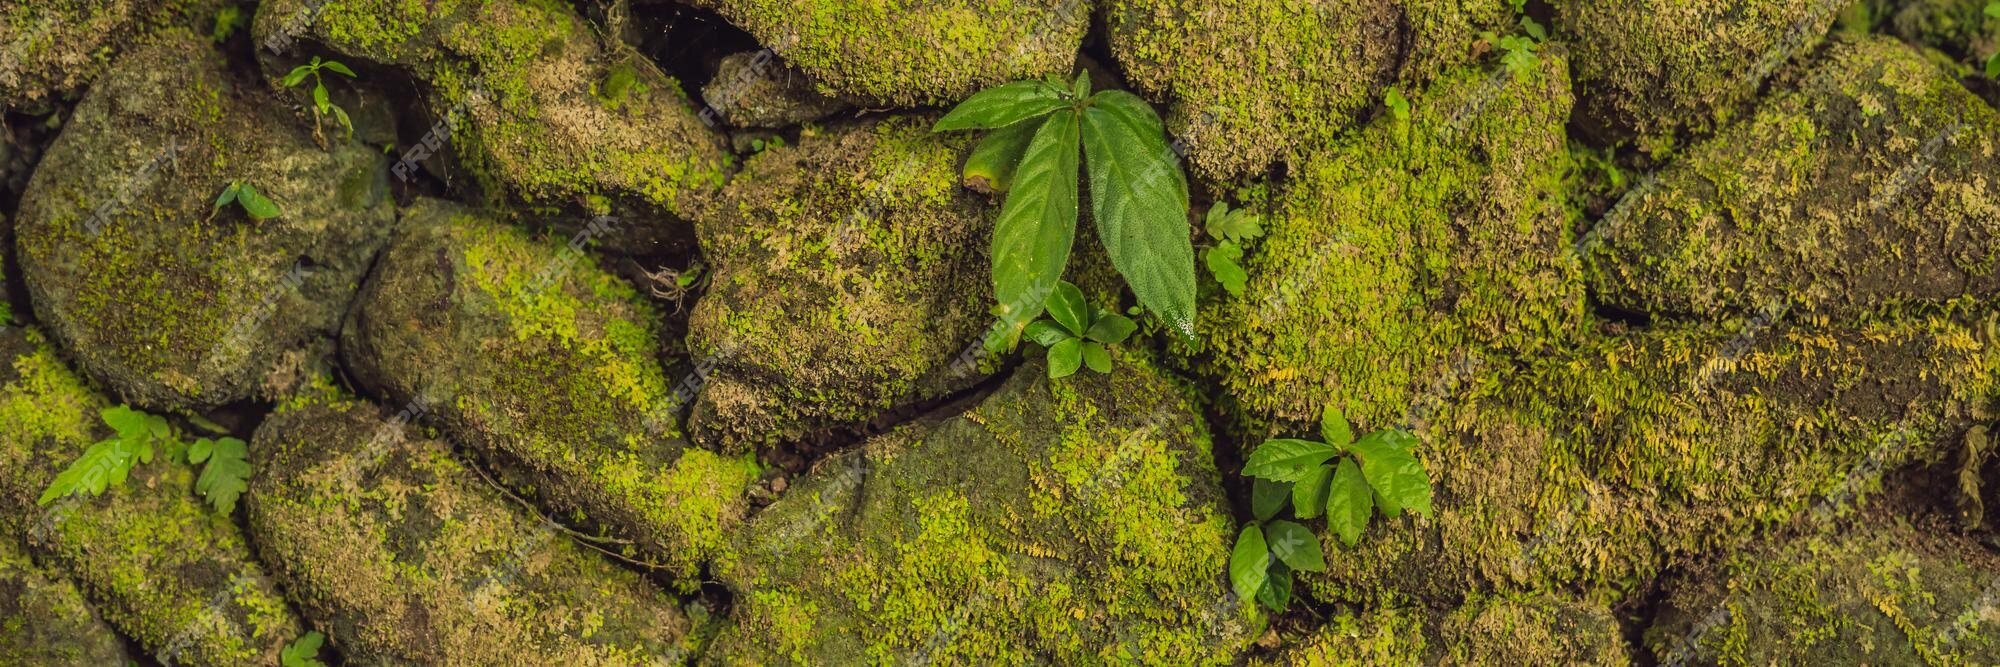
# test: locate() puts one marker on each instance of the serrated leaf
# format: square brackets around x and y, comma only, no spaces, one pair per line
[1287,460]
[1534,29]
[225,476]
[255,204]
[1067,306]
[1249,563]
[1065,357]
[1348,502]
[1037,225]
[302,652]
[1267,498]
[336,66]
[1277,591]
[1228,224]
[1096,357]
[1392,472]
[1047,333]
[1139,196]
[1222,261]
[1111,329]
[1295,545]
[990,168]
[1333,426]
[1309,493]
[1003,105]
[126,422]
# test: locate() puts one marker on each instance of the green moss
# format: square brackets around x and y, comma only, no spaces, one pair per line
[49,50]
[44,619]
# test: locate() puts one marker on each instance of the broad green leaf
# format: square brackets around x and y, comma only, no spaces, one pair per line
[302,652]
[1267,498]
[1993,9]
[228,195]
[1348,504]
[1139,196]
[1394,474]
[1081,88]
[1067,306]
[319,97]
[990,168]
[337,67]
[1096,357]
[1309,493]
[1287,460]
[1065,358]
[1277,591]
[1249,563]
[1222,261]
[200,450]
[1534,29]
[225,476]
[1111,329]
[1047,333]
[1334,427]
[1993,66]
[256,205]
[1037,225]
[1295,545]
[127,422]
[1001,106]
[297,74]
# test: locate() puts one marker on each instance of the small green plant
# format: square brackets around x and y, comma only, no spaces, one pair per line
[1233,230]
[254,203]
[224,473]
[302,652]
[1040,131]
[1399,106]
[106,463]
[1078,333]
[322,105]
[1993,61]
[1344,478]
[227,20]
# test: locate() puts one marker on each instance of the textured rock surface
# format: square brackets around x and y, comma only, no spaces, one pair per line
[756,89]
[850,275]
[159,563]
[1869,185]
[43,618]
[531,355]
[404,556]
[1526,630]
[1078,520]
[168,303]
[52,48]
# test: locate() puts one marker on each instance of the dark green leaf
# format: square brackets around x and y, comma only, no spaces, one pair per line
[1277,591]
[1348,504]
[1095,356]
[1139,196]
[1065,357]
[1394,474]
[1111,329]
[1047,333]
[1287,460]
[1067,306]
[1296,545]
[319,97]
[1229,224]
[990,168]
[255,204]
[1081,88]
[1267,498]
[1309,493]
[225,476]
[1222,261]
[337,67]
[1001,106]
[228,195]
[1249,563]
[1333,426]
[303,652]
[297,74]
[1037,224]
[1993,65]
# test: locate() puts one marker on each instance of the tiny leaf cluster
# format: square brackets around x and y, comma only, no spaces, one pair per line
[1345,479]
[136,438]
[254,203]
[302,652]
[1233,230]
[322,104]
[1078,332]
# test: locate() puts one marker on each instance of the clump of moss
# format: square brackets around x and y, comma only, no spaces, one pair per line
[1864,186]
[51,49]
[1484,630]
[849,277]
[159,564]
[1076,520]
[43,618]
[527,352]
[404,555]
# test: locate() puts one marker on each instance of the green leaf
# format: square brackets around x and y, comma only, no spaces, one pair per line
[1295,545]
[1535,30]
[1235,225]
[1249,563]
[341,115]
[127,422]
[1348,504]
[1394,474]
[1267,498]
[1047,333]
[1096,357]
[1222,261]
[1334,427]
[200,450]
[1037,225]
[1067,306]
[1139,196]
[1993,66]
[228,195]
[319,97]
[1111,329]
[337,67]
[1065,357]
[1399,106]
[297,74]
[225,476]
[302,652]
[255,204]
[1993,9]
[1287,460]
[990,168]
[1001,106]
[1277,591]
[1081,88]
[1309,493]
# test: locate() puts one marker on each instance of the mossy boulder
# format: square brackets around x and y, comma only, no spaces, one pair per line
[1251,82]
[404,556]
[543,108]
[1070,521]
[529,354]
[1960,27]
[166,301]
[157,561]
[1597,468]
[756,89]
[51,49]
[1867,186]
[1485,630]
[43,618]
[915,53]
[1404,250]
[1883,593]
[849,278]
[1656,71]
